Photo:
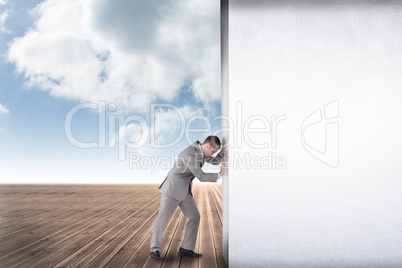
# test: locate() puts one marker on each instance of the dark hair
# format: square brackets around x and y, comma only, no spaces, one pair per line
[214,141]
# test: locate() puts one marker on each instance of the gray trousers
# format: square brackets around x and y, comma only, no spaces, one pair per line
[167,207]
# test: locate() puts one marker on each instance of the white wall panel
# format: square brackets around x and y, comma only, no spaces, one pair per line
[321,183]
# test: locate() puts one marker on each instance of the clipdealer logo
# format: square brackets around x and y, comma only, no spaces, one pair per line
[135,135]
[320,134]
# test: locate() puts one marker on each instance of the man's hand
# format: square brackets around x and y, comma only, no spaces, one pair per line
[222,168]
[223,150]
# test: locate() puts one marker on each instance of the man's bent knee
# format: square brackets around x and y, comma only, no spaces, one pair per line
[195,217]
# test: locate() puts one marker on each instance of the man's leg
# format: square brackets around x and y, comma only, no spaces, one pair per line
[166,209]
[190,211]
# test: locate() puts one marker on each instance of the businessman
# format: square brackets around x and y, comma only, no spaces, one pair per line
[176,191]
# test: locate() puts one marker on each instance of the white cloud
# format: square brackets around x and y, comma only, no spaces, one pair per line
[124,52]
[171,120]
[3,109]
[206,87]
[3,2]
[168,127]
[3,17]
[135,135]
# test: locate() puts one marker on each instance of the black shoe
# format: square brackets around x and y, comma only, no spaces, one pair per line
[156,255]
[190,253]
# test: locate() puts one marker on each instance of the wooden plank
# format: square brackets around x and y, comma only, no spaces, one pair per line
[51,239]
[139,238]
[44,205]
[26,199]
[60,239]
[215,225]
[84,236]
[208,258]
[124,238]
[186,262]
[35,231]
[218,186]
[113,229]
[218,192]
[217,201]
[104,252]
[141,255]
[53,233]
[87,249]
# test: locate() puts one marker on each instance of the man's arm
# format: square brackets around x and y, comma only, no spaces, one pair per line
[214,160]
[222,169]
[197,170]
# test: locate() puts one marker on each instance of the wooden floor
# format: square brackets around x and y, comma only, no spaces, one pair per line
[101,226]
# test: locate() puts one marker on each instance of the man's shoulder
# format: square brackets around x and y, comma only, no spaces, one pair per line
[191,150]
[194,147]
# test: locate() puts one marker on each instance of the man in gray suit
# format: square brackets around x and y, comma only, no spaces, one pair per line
[176,191]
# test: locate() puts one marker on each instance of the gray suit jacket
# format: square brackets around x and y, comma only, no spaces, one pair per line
[187,166]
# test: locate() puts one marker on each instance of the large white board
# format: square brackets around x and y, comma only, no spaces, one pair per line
[314,97]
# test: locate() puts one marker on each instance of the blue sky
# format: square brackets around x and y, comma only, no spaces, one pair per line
[123,56]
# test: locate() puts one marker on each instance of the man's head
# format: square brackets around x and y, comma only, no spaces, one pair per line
[211,145]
